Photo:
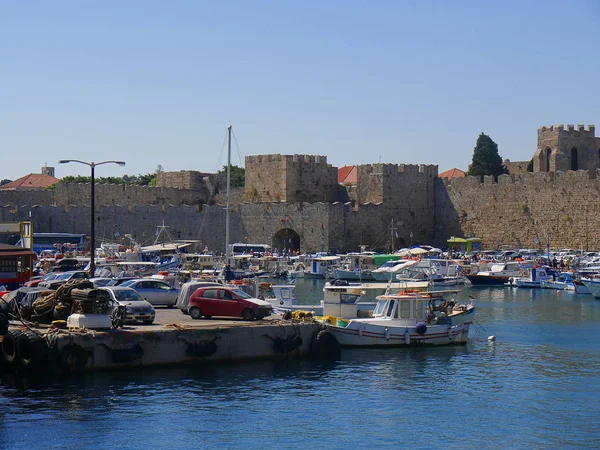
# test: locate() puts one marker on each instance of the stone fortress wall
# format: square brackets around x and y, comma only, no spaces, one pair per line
[290,179]
[518,210]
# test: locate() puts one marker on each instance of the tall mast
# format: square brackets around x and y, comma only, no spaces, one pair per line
[392,235]
[227,252]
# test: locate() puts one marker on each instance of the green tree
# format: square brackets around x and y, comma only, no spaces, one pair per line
[143,180]
[486,160]
[5,181]
[238,175]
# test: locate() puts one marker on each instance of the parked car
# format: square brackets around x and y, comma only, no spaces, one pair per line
[62,278]
[155,291]
[34,281]
[100,281]
[228,302]
[120,280]
[138,309]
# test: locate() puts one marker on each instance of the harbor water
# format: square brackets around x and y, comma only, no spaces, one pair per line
[535,386]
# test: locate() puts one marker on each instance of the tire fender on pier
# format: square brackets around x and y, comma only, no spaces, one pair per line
[33,350]
[10,346]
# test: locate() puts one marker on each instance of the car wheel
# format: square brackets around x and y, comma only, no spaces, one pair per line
[248,314]
[195,313]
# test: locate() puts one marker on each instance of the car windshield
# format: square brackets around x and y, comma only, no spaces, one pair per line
[126,283]
[241,293]
[65,276]
[126,294]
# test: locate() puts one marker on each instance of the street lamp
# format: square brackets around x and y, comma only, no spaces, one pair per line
[92,165]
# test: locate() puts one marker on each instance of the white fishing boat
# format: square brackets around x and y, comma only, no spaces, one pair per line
[320,266]
[531,278]
[563,282]
[297,270]
[593,285]
[354,267]
[339,300]
[409,318]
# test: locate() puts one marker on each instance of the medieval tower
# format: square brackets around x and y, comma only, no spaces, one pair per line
[571,149]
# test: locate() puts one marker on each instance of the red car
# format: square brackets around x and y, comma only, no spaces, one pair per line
[227,302]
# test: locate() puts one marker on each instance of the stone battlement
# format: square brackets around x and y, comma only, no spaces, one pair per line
[401,169]
[278,158]
[570,129]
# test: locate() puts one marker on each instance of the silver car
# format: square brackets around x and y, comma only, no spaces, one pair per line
[156,292]
[138,309]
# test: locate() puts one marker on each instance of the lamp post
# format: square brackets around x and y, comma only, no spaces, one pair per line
[92,166]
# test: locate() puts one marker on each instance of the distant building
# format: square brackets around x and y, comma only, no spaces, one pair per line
[452,173]
[34,180]
[348,175]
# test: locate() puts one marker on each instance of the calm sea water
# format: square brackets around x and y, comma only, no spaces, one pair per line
[536,386]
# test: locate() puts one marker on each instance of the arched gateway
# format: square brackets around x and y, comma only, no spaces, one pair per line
[286,238]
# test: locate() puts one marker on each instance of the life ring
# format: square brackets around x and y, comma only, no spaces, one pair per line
[522,273]
[237,282]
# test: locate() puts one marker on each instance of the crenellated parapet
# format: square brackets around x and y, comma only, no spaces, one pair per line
[570,148]
[560,129]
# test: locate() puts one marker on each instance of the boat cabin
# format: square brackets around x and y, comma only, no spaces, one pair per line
[414,307]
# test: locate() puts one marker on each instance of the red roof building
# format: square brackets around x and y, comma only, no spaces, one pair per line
[452,173]
[32,181]
[348,175]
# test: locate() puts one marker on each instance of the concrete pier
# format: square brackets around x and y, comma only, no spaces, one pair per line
[184,341]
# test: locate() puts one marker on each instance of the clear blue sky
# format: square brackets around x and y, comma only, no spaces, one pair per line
[157,83]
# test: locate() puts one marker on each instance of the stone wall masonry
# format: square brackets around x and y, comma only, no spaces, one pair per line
[290,178]
[184,179]
[563,206]
[379,183]
[116,194]
[15,197]
[265,178]
[261,222]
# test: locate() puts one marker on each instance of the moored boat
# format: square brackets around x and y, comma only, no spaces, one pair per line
[532,278]
[340,299]
[498,275]
[409,318]
[593,286]
[563,282]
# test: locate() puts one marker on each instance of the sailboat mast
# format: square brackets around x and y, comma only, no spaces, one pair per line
[392,235]
[227,252]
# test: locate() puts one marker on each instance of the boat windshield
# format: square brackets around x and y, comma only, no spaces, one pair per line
[379,308]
